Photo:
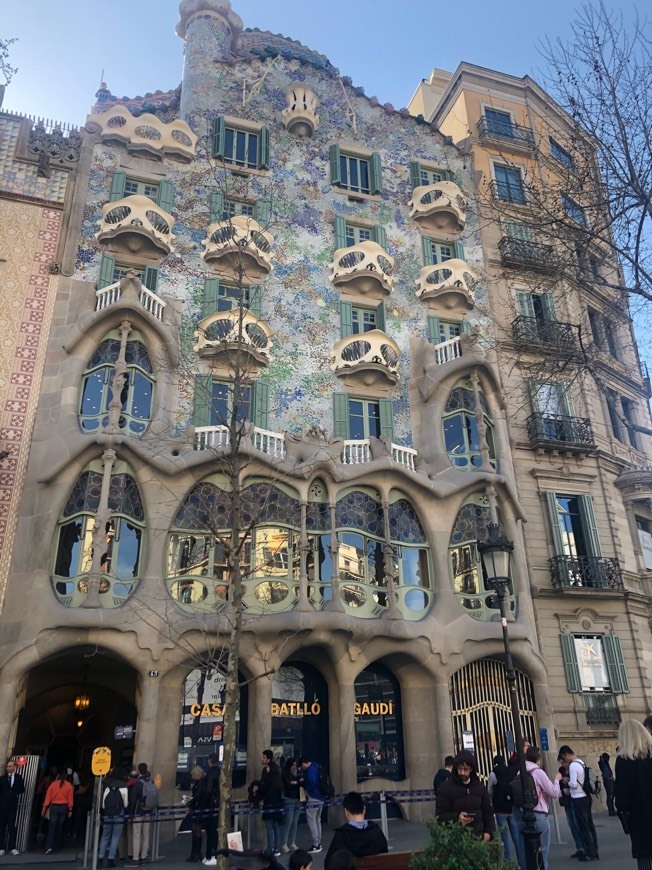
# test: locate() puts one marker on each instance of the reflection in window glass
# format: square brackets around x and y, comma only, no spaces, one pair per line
[378,725]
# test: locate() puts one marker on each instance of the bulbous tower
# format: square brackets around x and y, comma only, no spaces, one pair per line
[210,30]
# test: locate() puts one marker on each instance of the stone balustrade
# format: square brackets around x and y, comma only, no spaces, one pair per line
[239,249]
[372,354]
[452,278]
[139,223]
[145,135]
[441,206]
[113,293]
[364,267]
[448,350]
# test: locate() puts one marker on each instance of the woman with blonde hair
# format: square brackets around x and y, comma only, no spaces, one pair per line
[633,788]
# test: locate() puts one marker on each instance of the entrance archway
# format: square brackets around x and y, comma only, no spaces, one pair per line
[74,702]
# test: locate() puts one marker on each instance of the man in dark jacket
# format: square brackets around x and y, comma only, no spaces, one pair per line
[443,773]
[11,788]
[464,799]
[210,822]
[358,836]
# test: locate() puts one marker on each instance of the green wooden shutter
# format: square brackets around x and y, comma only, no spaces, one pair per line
[218,137]
[458,250]
[589,526]
[375,174]
[573,682]
[386,418]
[118,181]
[341,415]
[548,304]
[340,232]
[553,513]
[525,304]
[263,212]
[449,175]
[150,278]
[256,300]
[415,174]
[379,236]
[428,253]
[260,404]
[380,317]
[565,400]
[533,387]
[165,198]
[433,329]
[346,319]
[334,152]
[211,295]
[465,327]
[203,400]
[215,206]
[107,265]
[263,148]
[615,663]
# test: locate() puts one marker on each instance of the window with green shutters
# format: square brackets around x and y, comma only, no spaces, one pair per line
[435,252]
[356,173]
[440,330]
[573,526]
[162,192]
[214,401]
[111,272]
[423,176]
[225,297]
[358,419]
[594,663]
[240,147]
[357,319]
[348,233]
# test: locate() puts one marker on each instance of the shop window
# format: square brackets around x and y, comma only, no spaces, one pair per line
[469,585]
[299,711]
[120,562]
[201,729]
[378,725]
[136,392]
[460,427]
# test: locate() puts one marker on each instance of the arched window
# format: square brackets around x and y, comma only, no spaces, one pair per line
[378,724]
[411,564]
[119,563]
[136,391]
[460,425]
[469,584]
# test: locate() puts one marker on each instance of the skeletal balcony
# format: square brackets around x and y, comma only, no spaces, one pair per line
[226,333]
[145,135]
[440,206]
[371,358]
[136,225]
[449,282]
[363,268]
[239,249]
[301,118]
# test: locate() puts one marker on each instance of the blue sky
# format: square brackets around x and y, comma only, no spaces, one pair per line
[384,45]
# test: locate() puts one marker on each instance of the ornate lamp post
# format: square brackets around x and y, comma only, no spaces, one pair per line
[495,553]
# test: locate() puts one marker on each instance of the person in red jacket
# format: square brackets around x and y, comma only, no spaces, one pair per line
[464,799]
[59,800]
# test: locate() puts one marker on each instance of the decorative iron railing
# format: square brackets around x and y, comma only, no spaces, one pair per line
[531,329]
[586,572]
[560,429]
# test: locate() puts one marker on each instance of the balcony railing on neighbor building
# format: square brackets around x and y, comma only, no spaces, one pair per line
[525,254]
[531,329]
[601,708]
[489,128]
[585,572]
[558,429]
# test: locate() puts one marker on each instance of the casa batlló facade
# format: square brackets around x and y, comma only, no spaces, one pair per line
[269,239]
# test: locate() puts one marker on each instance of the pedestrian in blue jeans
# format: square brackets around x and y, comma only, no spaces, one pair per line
[115,800]
[546,788]
[291,805]
[270,795]
[498,788]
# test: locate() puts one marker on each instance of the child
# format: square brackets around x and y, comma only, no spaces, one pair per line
[300,860]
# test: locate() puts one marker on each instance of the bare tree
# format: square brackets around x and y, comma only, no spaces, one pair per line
[6,69]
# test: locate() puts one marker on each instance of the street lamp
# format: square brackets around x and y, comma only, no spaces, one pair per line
[495,553]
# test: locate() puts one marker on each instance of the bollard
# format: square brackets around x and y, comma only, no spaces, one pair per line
[96,821]
[383,815]
[156,835]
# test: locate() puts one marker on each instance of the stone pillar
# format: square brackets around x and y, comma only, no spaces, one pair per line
[163,756]
[148,718]
[345,746]
[9,690]
[260,724]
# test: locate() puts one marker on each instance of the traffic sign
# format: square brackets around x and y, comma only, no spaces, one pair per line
[101,761]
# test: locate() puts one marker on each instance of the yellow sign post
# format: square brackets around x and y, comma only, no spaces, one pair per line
[101,761]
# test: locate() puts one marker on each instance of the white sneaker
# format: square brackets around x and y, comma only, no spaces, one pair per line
[2,851]
[15,852]
[285,849]
[210,862]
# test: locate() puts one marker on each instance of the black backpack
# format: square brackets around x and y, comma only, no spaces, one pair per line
[324,783]
[502,797]
[590,784]
[516,790]
[113,803]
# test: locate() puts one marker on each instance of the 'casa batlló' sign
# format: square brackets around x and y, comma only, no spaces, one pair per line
[300,708]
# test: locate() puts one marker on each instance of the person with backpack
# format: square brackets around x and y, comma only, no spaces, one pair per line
[543,789]
[315,801]
[464,799]
[115,801]
[580,791]
[565,802]
[145,802]
[501,800]
[608,780]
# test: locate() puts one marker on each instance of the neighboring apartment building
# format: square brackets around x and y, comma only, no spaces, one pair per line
[271,217]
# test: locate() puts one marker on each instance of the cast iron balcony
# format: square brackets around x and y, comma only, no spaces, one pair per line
[524,254]
[518,137]
[452,278]
[601,709]
[552,332]
[364,267]
[440,206]
[371,357]
[586,572]
[560,432]
[140,222]
[239,249]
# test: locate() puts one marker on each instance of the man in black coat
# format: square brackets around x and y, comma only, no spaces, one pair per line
[11,788]
[464,799]
[358,836]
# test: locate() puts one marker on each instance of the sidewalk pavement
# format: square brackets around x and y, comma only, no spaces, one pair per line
[615,847]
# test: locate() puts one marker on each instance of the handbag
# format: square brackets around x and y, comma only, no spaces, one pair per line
[46,815]
[303,797]
[624,821]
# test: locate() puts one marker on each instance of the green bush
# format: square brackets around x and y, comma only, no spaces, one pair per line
[453,847]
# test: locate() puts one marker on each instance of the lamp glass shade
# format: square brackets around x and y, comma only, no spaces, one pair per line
[82,702]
